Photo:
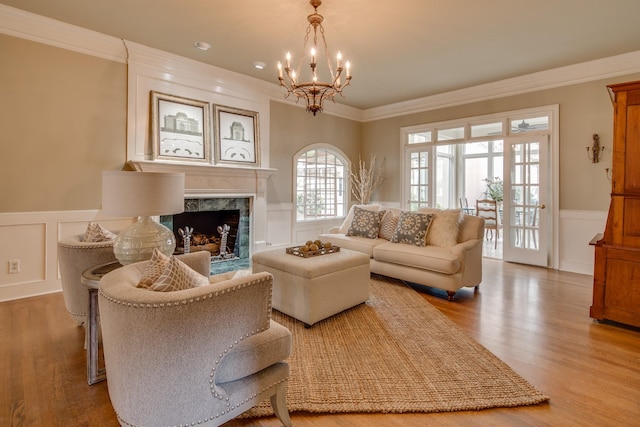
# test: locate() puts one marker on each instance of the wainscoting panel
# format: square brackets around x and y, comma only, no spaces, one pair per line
[32,239]
[576,229]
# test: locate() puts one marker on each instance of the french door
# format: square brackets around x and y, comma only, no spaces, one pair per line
[526,204]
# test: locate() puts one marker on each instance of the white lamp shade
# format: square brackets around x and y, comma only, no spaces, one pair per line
[142,193]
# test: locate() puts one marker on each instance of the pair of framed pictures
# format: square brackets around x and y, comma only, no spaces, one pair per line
[180,130]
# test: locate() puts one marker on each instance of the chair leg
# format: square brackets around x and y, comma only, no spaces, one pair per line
[279,404]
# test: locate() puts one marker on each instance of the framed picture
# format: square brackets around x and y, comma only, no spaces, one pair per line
[236,135]
[180,128]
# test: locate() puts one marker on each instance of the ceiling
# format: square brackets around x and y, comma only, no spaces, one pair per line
[399,50]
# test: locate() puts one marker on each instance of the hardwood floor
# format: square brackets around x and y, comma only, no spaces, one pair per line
[536,320]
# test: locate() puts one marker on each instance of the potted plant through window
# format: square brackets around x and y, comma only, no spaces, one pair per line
[495,189]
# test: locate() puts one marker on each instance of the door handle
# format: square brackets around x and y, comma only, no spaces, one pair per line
[542,206]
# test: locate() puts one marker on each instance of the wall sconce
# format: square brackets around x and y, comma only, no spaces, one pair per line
[596,149]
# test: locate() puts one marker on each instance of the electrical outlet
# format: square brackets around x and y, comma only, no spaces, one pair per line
[14,266]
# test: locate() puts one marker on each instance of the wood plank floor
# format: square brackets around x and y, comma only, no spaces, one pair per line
[536,320]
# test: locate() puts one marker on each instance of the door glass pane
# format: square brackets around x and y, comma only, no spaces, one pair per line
[525,189]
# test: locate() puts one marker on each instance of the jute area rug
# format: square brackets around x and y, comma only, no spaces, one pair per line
[395,353]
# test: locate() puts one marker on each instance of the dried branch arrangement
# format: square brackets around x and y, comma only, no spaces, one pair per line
[365,181]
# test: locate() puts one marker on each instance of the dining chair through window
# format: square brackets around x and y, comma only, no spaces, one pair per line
[488,209]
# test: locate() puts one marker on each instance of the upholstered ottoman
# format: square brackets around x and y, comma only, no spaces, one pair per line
[312,289]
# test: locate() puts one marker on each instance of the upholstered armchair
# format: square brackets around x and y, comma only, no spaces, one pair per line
[75,256]
[198,356]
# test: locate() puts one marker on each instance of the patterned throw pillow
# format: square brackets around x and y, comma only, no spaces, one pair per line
[388,226]
[412,228]
[154,268]
[365,223]
[178,276]
[95,233]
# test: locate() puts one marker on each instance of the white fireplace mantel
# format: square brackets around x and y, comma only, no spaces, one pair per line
[222,181]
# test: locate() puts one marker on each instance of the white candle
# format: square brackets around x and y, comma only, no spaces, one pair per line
[339,60]
[288,60]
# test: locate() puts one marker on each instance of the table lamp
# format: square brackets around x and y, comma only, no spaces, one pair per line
[142,194]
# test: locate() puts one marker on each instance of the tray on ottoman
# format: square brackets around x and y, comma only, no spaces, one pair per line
[297,251]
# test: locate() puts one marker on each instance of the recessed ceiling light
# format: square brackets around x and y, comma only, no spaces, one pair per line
[259,65]
[202,45]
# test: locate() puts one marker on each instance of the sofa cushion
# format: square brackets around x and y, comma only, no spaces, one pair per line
[388,225]
[255,353]
[412,228]
[354,243]
[432,258]
[347,221]
[365,223]
[444,227]
[96,233]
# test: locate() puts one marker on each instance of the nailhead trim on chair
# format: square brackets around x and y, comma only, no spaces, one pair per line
[212,385]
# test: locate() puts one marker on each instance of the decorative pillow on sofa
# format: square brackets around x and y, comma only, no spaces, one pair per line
[166,274]
[444,227]
[365,223]
[178,276]
[388,225]
[95,233]
[412,228]
[154,268]
[349,218]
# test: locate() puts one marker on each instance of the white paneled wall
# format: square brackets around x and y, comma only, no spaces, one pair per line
[576,229]
[31,238]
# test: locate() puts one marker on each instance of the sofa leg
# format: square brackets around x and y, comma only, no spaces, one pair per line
[476,289]
[279,404]
[450,295]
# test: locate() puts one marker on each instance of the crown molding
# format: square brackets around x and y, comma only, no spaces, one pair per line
[598,69]
[26,25]
[29,26]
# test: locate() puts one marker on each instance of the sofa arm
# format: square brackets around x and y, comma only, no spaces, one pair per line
[470,255]
[334,230]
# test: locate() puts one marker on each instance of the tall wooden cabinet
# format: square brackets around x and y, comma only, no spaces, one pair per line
[616,282]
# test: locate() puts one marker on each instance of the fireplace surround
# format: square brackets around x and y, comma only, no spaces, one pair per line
[207,217]
[214,187]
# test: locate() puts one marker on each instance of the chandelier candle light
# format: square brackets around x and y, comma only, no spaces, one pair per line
[315,92]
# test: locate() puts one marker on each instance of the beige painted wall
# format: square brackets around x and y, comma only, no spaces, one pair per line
[585,109]
[63,120]
[292,129]
[63,116]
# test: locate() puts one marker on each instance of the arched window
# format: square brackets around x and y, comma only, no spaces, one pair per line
[321,179]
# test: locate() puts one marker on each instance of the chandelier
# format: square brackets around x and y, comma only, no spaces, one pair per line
[314,92]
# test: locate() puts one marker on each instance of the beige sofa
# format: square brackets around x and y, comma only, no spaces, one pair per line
[447,266]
